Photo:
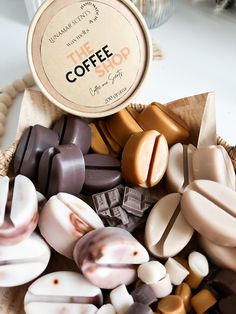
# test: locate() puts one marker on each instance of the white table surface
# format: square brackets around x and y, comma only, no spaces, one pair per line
[199,55]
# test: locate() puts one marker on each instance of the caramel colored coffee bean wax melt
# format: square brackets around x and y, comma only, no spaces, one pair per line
[144,159]
[158,117]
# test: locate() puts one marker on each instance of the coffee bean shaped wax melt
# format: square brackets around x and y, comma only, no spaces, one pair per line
[24,261]
[18,209]
[62,292]
[33,143]
[61,169]
[64,220]
[209,207]
[74,130]
[109,257]
[145,158]
[167,231]
[102,172]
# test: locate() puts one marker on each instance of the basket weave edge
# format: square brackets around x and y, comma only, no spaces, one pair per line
[7,155]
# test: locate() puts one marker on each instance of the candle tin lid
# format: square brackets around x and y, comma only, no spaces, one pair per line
[89,57]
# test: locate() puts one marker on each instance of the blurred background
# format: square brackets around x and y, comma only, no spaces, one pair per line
[196,41]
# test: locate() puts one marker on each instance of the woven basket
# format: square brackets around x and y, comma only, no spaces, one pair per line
[189,109]
[35,105]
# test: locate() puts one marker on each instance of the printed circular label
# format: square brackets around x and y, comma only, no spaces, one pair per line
[91,53]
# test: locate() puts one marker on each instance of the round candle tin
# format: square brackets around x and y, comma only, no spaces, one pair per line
[89,57]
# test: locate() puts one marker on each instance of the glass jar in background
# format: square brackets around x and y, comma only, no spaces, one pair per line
[156,12]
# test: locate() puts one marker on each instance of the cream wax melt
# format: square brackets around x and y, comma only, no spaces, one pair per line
[89,57]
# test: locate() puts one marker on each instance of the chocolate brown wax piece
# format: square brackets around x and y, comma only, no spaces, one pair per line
[102,172]
[108,199]
[110,207]
[122,125]
[160,118]
[139,308]
[33,143]
[61,169]
[167,232]
[145,158]
[210,208]
[122,207]
[144,294]
[134,222]
[120,215]
[74,130]
[131,200]
[228,305]
[134,202]
[225,282]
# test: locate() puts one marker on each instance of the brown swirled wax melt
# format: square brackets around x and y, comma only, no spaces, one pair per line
[18,209]
[89,57]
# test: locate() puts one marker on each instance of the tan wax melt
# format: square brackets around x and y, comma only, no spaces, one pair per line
[154,117]
[122,125]
[98,144]
[166,231]
[101,141]
[203,301]
[184,291]
[210,208]
[171,304]
[207,161]
[89,57]
[144,159]
[222,256]
[160,118]
[188,163]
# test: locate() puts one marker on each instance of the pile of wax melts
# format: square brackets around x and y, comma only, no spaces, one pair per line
[97,203]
